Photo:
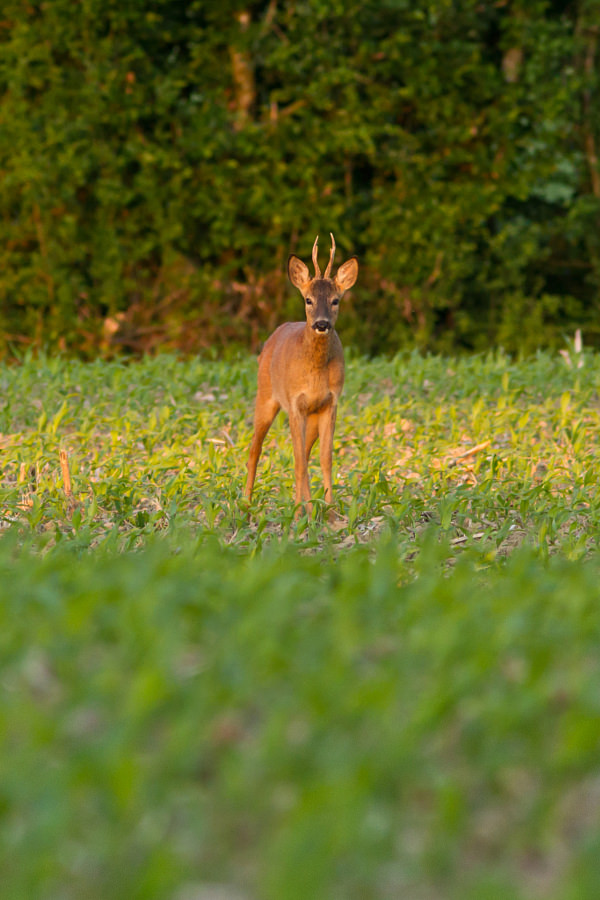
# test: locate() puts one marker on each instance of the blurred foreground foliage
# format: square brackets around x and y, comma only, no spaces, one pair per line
[159,160]
[210,724]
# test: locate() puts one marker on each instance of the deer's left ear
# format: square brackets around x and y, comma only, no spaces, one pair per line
[347,274]
[298,272]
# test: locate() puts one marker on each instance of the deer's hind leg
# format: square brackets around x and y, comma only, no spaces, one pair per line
[326,430]
[298,432]
[312,433]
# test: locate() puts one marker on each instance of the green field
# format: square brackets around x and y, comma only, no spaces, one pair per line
[201,704]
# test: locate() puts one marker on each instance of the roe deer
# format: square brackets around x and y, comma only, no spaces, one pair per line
[301,369]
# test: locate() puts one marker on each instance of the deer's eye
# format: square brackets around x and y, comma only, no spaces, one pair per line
[308,301]
[335,302]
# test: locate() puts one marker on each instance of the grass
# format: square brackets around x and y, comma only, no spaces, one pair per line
[199,704]
[161,445]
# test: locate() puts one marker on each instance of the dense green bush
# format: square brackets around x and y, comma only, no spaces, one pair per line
[159,160]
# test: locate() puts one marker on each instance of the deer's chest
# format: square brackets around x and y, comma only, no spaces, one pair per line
[306,375]
[318,388]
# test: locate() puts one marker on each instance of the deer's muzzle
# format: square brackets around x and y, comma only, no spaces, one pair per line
[322,326]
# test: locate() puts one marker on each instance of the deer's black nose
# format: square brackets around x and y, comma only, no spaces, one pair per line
[322,325]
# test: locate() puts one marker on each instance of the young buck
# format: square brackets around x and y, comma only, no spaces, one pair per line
[301,369]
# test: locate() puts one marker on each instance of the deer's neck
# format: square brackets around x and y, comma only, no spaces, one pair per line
[318,346]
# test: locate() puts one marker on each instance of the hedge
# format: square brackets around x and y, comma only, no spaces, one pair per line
[160,160]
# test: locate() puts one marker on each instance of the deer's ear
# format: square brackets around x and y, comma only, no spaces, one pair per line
[298,272]
[347,274]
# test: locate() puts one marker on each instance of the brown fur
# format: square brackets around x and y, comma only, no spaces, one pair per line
[301,371]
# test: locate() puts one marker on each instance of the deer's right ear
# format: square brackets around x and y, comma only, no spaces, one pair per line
[298,272]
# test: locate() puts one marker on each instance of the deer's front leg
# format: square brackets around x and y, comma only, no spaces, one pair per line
[265,411]
[298,430]
[326,431]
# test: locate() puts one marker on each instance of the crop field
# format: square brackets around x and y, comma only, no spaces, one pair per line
[202,701]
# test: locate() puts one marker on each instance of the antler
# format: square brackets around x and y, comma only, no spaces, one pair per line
[331,255]
[315,253]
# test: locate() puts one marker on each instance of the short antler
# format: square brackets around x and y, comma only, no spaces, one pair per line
[331,255]
[315,254]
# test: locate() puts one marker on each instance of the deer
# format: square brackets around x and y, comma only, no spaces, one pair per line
[301,370]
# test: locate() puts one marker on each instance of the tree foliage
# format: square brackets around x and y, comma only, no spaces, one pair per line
[160,160]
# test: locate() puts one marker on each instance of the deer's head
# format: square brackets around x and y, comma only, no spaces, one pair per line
[322,293]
